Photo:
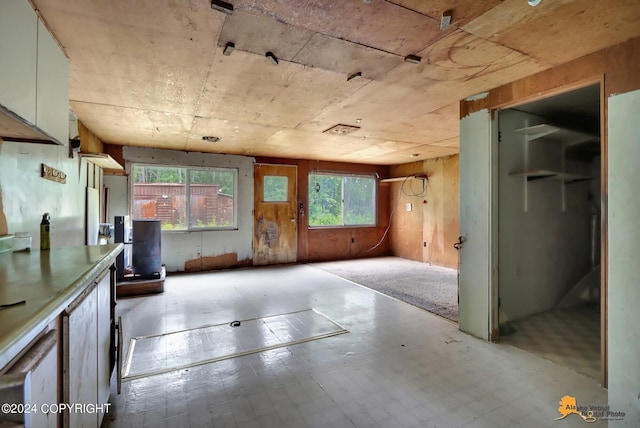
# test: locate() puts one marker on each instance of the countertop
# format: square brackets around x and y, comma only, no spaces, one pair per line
[48,281]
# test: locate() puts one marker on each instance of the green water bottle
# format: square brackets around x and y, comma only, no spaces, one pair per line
[45,232]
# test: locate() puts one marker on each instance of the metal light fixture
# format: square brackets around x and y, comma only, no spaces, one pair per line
[222,6]
[228,48]
[272,58]
[414,59]
[445,21]
[354,75]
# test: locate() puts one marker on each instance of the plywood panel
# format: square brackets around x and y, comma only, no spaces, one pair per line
[129,66]
[379,24]
[538,32]
[407,227]
[617,64]
[342,56]
[462,11]
[252,90]
[235,137]
[120,125]
[179,18]
[259,34]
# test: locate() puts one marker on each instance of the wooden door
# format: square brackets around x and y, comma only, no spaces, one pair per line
[275,235]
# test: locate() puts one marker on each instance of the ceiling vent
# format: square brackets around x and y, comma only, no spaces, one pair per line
[340,129]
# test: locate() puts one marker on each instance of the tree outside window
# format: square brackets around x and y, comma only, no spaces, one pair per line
[341,200]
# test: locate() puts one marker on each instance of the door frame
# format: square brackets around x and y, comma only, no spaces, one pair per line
[604,241]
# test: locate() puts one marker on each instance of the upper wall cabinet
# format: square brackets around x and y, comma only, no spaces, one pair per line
[52,89]
[34,78]
[18,54]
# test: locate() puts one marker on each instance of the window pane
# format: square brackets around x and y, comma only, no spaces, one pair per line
[325,200]
[211,198]
[275,188]
[336,200]
[359,201]
[159,193]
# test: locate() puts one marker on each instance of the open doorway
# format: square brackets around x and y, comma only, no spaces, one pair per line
[549,228]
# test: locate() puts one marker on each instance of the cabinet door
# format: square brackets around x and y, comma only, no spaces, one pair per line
[52,108]
[104,340]
[80,359]
[38,367]
[18,53]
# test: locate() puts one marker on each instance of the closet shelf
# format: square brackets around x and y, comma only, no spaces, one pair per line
[556,133]
[539,174]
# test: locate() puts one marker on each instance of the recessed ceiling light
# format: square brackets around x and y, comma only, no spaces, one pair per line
[534,2]
[341,129]
[415,155]
[211,138]
[358,120]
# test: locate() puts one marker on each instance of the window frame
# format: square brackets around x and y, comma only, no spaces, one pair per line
[343,176]
[187,185]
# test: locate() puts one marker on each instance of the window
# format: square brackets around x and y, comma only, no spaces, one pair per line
[161,192]
[341,200]
[275,188]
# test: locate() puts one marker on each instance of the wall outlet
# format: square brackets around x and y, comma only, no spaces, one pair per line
[409,206]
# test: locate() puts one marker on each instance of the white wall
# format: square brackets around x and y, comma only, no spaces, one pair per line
[543,250]
[180,247]
[26,196]
[118,204]
[624,257]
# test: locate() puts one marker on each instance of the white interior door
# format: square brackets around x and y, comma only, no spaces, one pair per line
[623,256]
[476,192]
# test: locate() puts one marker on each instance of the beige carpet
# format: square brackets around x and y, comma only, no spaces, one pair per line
[432,288]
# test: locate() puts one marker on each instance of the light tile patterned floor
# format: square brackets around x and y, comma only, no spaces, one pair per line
[569,336]
[162,353]
[398,366]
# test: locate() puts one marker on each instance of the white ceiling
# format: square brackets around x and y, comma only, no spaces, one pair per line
[152,72]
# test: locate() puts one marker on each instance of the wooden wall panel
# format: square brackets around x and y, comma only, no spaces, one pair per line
[618,64]
[427,232]
[406,231]
[442,211]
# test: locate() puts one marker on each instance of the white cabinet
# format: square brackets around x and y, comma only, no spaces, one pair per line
[52,87]
[18,58]
[34,78]
[86,339]
[30,382]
